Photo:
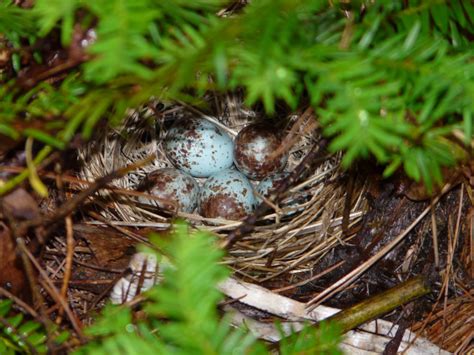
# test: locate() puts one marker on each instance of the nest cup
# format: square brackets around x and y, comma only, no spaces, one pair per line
[290,239]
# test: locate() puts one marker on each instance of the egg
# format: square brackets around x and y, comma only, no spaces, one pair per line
[269,184]
[177,190]
[198,147]
[257,151]
[227,194]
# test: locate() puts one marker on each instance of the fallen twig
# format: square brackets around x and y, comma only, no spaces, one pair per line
[369,338]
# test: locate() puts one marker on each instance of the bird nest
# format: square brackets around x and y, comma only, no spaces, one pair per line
[304,224]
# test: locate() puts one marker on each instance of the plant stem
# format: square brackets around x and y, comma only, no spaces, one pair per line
[380,304]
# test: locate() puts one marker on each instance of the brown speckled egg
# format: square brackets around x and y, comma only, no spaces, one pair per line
[177,190]
[198,147]
[227,194]
[254,151]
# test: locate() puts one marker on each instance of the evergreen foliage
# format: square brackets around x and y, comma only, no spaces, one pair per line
[18,335]
[388,79]
[181,313]
[21,336]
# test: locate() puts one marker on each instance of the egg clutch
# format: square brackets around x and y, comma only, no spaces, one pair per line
[200,149]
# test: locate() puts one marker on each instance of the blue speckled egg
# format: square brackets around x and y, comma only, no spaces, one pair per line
[176,190]
[269,184]
[227,194]
[198,147]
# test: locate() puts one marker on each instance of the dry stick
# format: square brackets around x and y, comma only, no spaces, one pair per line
[434,234]
[136,237]
[293,312]
[69,244]
[22,305]
[73,180]
[249,223]
[347,206]
[380,304]
[354,274]
[449,263]
[49,286]
[70,206]
[463,347]
[69,259]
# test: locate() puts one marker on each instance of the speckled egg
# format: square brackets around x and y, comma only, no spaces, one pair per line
[198,147]
[256,151]
[177,190]
[227,194]
[269,184]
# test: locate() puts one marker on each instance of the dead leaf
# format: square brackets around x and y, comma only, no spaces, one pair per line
[111,249]
[19,204]
[12,275]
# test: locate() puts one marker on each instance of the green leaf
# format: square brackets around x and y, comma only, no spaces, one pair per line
[15,21]
[392,167]
[44,137]
[440,17]
[122,39]
[368,37]
[50,12]
[412,36]
[16,320]
[28,327]
[5,306]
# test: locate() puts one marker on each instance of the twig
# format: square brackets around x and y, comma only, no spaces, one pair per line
[347,205]
[69,259]
[451,250]
[249,223]
[73,180]
[380,304]
[372,335]
[71,205]
[434,234]
[22,305]
[69,243]
[49,286]
[136,237]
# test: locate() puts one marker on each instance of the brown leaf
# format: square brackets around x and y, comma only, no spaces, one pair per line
[111,249]
[12,275]
[19,204]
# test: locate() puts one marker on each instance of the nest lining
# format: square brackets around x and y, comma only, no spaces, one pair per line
[299,231]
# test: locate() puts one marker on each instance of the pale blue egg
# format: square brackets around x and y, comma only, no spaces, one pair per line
[198,147]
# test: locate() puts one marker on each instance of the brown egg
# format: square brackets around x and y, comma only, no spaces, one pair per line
[255,151]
